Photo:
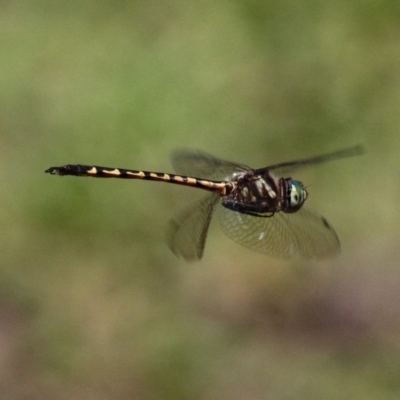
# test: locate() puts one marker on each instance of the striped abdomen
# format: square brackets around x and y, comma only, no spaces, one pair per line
[221,187]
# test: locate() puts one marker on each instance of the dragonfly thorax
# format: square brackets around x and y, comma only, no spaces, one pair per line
[264,194]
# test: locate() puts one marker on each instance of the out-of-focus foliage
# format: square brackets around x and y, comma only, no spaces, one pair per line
[92,303]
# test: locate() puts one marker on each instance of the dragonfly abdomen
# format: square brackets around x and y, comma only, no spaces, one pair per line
[93,171]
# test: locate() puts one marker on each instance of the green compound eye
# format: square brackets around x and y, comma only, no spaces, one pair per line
[296,195]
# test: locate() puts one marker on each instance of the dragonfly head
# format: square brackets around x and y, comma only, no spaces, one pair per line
[295,194]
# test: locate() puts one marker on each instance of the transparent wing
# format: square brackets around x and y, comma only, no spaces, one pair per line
[283,168]
[187,231]
[199,164]
[298,235]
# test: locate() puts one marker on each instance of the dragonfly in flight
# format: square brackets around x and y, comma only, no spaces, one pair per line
[261,208]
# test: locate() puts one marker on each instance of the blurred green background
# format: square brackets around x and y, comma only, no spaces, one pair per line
[93,305]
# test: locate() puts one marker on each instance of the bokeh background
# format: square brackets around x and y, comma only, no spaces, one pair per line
[93,305]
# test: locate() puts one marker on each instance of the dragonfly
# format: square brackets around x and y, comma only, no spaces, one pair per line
[260,209]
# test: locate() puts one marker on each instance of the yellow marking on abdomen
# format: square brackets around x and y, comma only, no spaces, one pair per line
[191,181]
[158,176]
[139,174]
[178,178]
[92,171]
[114,172]
[220,186]
[208,183]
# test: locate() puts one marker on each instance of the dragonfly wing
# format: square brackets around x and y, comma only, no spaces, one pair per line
[199,164]
[287,167]
[298,235]
[187,231]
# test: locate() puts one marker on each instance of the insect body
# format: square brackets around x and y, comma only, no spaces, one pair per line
[261,209]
